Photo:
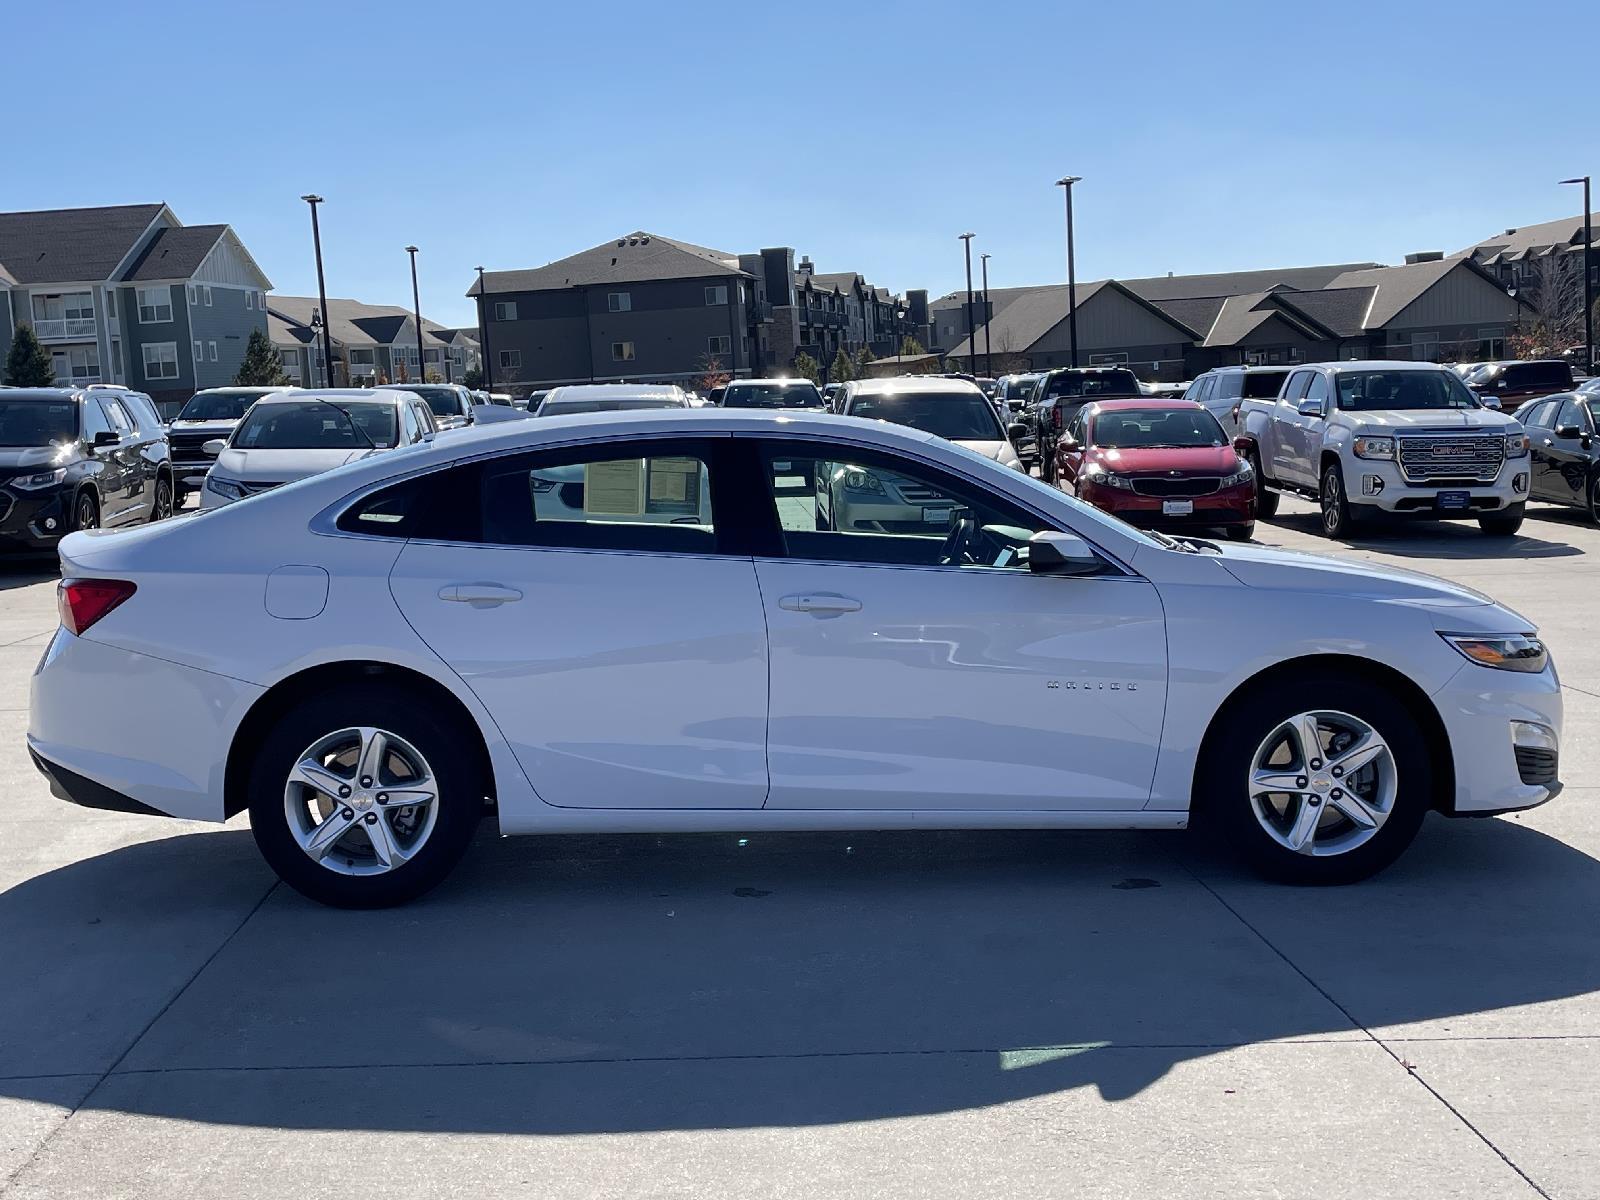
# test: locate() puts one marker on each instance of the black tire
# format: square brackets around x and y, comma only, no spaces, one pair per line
[1222,802]
[1266,498]
[1504,523]
[1594,499]
[165,501]
[85,511]
[1338,521]
[1240,533]
[444,740]
[1047,466]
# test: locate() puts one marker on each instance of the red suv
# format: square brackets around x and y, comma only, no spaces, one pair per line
[1157,463]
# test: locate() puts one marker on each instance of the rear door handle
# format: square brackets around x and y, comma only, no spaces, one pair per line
[479,595]
[824,604]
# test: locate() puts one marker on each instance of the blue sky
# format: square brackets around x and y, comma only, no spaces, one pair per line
[868,135]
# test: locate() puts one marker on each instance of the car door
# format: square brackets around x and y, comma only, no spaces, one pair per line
[1298,436]
[1537,420]
[1072,460]
[587,597]
[906,674]
[1567,453]
[123,491]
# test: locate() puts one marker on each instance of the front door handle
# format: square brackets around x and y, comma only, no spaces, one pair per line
[479,595]
[823,604]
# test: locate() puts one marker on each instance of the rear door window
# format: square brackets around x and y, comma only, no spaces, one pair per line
[1538,375]
[1231,386]
[1263,385]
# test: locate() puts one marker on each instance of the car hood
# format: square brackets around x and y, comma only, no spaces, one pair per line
[18,458]
[987,449]
[222,428]
[281,466]
[1413,419]
[1292,570]
[1195,460]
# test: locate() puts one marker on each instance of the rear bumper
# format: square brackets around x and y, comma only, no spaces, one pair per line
[75,789]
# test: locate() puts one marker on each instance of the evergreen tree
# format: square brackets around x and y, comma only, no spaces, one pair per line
[911,348]
[262,365]
[843,368]
[863,357]
[28,364]
[473,379]
[807,367]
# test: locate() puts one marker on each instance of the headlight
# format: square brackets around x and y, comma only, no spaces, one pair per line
[224,487]
[1243,475]
[1516,445]
[1374,447]
[857,480]
[1504,652]
[1099,475]
[42,479]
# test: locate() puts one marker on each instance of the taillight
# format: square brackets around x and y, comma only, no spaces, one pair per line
[1055,417]
[82,602]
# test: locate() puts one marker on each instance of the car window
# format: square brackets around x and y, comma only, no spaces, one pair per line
[1571,414]
[1208,387]
[959,416]
[408,424]
[1263,385]
[1295,388]
[1317,386]
[94,421]
[36,423]
[836,504]
[1537,415]
[1376,391]
[118,416]
[1538,374]
[143,411]
[1230,386]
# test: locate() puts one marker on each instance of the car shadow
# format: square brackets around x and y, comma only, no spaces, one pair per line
[1431,539]
[620,984]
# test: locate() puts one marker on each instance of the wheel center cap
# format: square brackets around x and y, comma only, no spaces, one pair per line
[361,801]
[1321,784]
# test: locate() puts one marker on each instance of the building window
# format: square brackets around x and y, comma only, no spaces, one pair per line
[621,351]
[716,295]
[191,293]
[511,360]
[1491,343]
[249,299]
[1117,359]
[161,360]
[505,310]
[207,290]
[77,364]
[211,351]
[111,304]
[719,345]
[199,351]
[155,305]
[619,302]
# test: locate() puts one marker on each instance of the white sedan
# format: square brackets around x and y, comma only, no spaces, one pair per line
[636,622]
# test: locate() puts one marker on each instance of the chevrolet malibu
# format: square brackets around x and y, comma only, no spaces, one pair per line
[628,622]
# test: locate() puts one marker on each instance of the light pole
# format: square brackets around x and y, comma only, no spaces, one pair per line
[1066,181]
[322,292]
[1588,278]
[988,367]
[972,335]
[483,335]
[416,304]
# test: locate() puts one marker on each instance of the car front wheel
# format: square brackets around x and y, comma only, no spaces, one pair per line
[1337,519]
[1503,524]
[1322,782]
[363,797]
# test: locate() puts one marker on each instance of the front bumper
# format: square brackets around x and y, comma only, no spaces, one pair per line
[1230,506]
[1377,485]
[1497,768]
[33,522]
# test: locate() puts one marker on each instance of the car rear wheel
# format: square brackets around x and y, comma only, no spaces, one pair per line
[1266,498]
[363,798]
[1503,524]
[1325,781]
[1240,533]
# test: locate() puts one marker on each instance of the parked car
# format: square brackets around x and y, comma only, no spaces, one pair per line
[207,415]
[771,393]
[450,403]
[1386,439]
[714,396]
[610,397]
[949,408]
[830,396]
[1564,454]
[291,435]
[1589,387]
[1158,464]
[1015,389]
[73,458]
[534,399]
[1513,384]
[1059,395]
[1221,390]
[375,659]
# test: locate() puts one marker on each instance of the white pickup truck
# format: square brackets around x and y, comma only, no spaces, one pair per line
[1386,439]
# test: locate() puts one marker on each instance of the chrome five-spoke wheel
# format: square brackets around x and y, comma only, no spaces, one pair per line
[1322,783]
[361,801]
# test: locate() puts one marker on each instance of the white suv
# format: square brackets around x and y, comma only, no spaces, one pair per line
[1386,439]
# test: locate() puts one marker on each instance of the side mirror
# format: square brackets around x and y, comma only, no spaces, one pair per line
[1067,442]
[214,447]
[1015,430]
[105,438]
[1311,408]
[1242,445]
[1052,553]
[1568,431]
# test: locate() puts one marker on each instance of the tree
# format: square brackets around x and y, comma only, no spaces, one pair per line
[473,379]
[712,374]
[28,364]
[843,368]
[262,365]
[863,357]
[433,377]
[911,348]
[807,367]
[1553,321]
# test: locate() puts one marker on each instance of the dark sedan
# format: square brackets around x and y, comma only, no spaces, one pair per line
[1564,453]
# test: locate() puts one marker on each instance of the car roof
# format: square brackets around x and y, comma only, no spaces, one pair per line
[46,393]
[612,391]
[922,384]
[1376,364]
[784,381]
[1260,367]
[301,395]
[1156,403]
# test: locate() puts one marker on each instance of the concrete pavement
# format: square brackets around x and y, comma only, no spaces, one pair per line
[833,1015]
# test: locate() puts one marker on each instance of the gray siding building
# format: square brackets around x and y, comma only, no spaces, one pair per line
[372,344]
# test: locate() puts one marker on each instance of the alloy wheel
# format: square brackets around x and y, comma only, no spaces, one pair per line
[163,508]
[88,516]
[1332,503]
[361,801]
[1322,783]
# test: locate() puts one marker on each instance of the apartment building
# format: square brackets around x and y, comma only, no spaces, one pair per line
[372,343]
[129,294]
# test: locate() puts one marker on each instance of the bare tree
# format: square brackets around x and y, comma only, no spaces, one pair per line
[1553,321]
[1007,360]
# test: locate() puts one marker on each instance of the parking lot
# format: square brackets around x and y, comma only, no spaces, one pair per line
[935,1014]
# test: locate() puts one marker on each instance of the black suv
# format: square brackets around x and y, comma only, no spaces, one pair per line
[1059,395]
[78,458]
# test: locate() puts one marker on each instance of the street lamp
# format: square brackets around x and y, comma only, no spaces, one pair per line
[483,334]
[416,304]
[972,337]
[322,292]
[988,368]
[1066,181]
[1588,277]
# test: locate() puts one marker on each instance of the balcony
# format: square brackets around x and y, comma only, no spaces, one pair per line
[757,312]
[63,330]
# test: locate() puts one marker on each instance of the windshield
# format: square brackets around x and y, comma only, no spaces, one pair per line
[1021,385]
[1371,391]
[441,401]
[218,406]
[316,425]
[1100,383]
[555,408]
[959,416]
[1147,428]
[37,422]
[772,395]
[1263,385]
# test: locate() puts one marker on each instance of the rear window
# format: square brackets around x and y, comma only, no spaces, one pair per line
[1264,385]
[772,395]
[1539,374]
[1097,383]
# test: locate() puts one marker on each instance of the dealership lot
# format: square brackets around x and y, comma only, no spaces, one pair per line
[806,1015]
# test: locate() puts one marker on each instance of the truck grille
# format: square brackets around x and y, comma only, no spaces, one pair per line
[1154,485]
[1425,459]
